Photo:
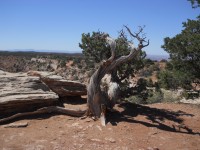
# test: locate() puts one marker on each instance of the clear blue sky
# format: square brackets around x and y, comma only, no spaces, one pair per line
[58,24]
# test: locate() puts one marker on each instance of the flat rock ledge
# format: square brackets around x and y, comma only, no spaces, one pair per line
[21,93]
[59,85]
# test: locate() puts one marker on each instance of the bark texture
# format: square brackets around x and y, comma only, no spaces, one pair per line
[97,100]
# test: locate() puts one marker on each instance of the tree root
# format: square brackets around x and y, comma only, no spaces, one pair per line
[51,109]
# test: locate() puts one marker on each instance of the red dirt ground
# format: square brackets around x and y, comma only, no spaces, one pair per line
[130,127]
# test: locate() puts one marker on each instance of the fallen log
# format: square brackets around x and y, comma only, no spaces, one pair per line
[51,109]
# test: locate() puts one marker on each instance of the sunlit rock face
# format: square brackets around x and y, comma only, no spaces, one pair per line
[20,92]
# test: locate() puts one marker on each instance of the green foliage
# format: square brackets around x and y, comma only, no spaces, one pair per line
[149,67]
[190,94]
[154,97]
[145,73]
[163,60]
[135,99]
[79,65]
[174,79]
[154,67]
[75,77]
[145,96]
[185,95]
[140,93]
[169,66]
[142,84]
[95,49]
[148,62]
[170,96]
[74,71]
[150,83]
[62,63]
[76,60]
[167,80]
[195,3]
[184,50]
[148,70]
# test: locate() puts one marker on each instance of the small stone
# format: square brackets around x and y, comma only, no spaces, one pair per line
[88,119]
[110,129]
[110,140]
[91,125]
[99,128]
[96,140]
[75,124]
[16,125]
[152,148]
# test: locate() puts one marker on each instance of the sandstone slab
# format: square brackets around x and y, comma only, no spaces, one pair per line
[59,85]
[20,93]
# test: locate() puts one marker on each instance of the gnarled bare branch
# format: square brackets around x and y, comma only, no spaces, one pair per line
[141,39]
[112,45]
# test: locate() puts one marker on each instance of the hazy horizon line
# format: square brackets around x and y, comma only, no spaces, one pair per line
[60,51]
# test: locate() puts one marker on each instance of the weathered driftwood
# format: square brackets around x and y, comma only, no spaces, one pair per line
[51,109]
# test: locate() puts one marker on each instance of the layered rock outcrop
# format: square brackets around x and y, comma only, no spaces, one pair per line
[59,85]
[19,93]
[22,92]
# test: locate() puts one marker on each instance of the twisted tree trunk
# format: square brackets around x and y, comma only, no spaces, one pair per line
[97,101]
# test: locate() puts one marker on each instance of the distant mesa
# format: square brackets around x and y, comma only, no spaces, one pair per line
[42,50]
[158,57]
[150,56]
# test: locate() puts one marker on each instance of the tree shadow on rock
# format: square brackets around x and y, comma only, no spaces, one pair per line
[156,118]
[74,100]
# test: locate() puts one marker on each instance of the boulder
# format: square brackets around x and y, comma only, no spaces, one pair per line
[59,85]
[20,93]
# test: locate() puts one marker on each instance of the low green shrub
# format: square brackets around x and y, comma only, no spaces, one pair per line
[155,97]
[135,99]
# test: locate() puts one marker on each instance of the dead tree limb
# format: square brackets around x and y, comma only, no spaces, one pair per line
[97,101]
[44,110]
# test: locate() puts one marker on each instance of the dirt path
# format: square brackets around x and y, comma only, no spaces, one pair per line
[131,127]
